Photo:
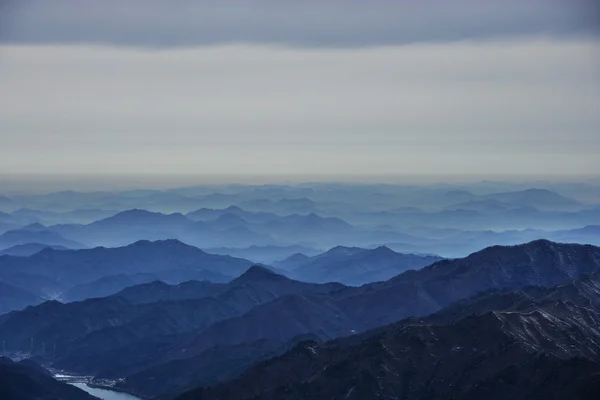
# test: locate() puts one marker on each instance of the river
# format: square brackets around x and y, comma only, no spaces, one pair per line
[104,394]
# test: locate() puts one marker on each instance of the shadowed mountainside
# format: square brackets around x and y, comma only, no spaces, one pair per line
[537,343]
[26,380]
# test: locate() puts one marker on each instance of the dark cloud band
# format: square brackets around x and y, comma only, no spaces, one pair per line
[330,23]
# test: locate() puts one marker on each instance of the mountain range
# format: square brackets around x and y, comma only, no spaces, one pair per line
[27,237]
[449,290]
[74,275]
[405,219]
[50,272]
[28,249]
[264,254]
[177,332]
[349,310]
[79,335]
[353,266]
[528,344]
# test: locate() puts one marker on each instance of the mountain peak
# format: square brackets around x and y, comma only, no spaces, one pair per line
[382,251]
[540,191]
[36,226]
[297,256]
[539,242]
[342,250]
[257,273]
[135,212]
[141,213]
[161,243]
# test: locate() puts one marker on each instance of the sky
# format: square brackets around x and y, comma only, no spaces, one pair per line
[290,88]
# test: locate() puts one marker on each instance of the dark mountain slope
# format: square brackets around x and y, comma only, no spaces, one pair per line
[214,365]
[254,338]
[131,339]
[264,331]
[283,318]
[72,335]
[432,288]
[544,348]
[342,312]
[27,381]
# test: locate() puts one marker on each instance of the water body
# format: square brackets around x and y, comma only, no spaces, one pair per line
[104,394]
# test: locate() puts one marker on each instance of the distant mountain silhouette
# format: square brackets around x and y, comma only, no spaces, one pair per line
[340,251]
[5,200]
[170,260]
[263,254]
[539,198]
[292,262]
[133,225]
[243,236]
[208,214]
[259,274]
[491,205]
[141,217]
[227,221]
[283,206]
[355,266]
[15,298]
[21,236]
[128,226]
[35,227]
[313,220]
[6,217]
[28,249]
[84,215]
[588,234]
[458,195]
[235,225]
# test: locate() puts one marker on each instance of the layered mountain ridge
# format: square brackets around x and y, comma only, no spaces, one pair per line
[536,343]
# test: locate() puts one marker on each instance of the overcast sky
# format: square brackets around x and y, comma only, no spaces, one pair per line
[300,87]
